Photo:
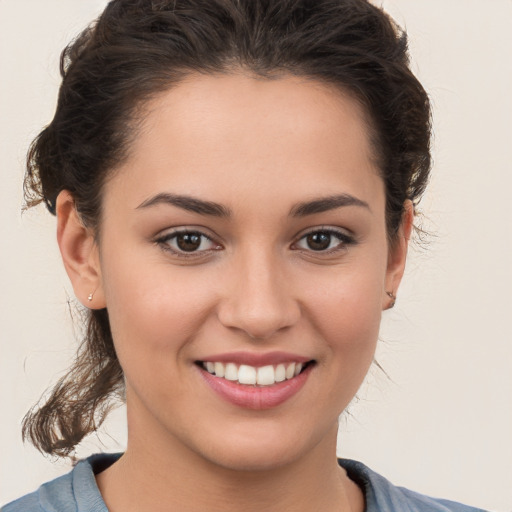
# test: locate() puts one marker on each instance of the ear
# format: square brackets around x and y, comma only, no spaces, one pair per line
[79,253]
[397,256]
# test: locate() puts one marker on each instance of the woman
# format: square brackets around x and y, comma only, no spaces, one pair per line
[235,184]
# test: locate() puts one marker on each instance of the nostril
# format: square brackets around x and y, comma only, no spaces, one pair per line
[258,327]
[259,309]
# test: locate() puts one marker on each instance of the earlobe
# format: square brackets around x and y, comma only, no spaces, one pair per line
[398,256]
[79,253]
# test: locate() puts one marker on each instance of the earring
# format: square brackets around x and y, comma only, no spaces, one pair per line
[393,299]
[90,296]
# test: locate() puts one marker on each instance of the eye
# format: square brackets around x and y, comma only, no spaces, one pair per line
[187,242]
[325,240]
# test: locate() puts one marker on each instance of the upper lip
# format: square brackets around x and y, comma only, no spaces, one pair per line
[256,359]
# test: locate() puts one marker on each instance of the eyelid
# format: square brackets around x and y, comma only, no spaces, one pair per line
[162,241]
[345,238]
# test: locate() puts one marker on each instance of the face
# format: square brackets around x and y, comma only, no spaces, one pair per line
[245,236]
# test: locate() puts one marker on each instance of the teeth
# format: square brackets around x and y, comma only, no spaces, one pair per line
[250,375]
[247,374]
[231,372]
[290,371]
[265,376]
[280,373]
[219,369]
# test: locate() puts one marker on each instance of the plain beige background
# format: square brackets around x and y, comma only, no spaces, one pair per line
[443,424]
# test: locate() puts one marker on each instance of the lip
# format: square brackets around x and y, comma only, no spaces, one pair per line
[256,359]
[256,397]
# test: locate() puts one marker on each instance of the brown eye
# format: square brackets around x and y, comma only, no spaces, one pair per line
[188,242]
[319,241]
[325,240]
[183,243]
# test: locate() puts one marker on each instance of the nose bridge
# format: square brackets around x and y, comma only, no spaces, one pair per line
[259,299]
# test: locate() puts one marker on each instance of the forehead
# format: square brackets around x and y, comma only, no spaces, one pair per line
[235,133]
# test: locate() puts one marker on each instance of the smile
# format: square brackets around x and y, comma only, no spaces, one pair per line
[251,375]
[259,386]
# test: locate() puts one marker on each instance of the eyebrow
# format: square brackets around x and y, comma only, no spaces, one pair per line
[325,204]
[188,203]
[302,209]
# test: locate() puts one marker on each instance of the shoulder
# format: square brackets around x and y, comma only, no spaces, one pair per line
[74,492]
[382,496]
[52,496]
[28,503]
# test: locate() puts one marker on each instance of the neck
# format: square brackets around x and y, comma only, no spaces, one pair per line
[163,475]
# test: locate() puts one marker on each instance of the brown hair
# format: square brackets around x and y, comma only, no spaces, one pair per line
[138,48]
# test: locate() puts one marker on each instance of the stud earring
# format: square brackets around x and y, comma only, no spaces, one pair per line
[392,296]
[90,296]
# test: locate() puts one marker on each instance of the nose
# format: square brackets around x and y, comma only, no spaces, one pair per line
[258,299]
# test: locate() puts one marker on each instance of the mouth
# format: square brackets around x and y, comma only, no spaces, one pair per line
[257,376]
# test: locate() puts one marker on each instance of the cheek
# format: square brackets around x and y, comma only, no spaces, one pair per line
[347,304]
[151,309]
[345,311]
[154,320]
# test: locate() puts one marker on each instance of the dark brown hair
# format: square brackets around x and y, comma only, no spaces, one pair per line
[138,48]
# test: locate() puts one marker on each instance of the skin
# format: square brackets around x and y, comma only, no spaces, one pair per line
[257,147]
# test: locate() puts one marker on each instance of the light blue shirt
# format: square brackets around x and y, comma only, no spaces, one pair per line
[77,492]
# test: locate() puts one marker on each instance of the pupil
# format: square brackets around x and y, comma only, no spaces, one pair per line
[319,241]
[188,241]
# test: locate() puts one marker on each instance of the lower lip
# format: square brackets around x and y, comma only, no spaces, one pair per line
[256,397]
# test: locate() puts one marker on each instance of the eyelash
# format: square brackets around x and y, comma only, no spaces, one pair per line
[163,242]
[344,240]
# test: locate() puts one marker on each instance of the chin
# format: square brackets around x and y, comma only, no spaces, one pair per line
[254,459]
[266,448]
